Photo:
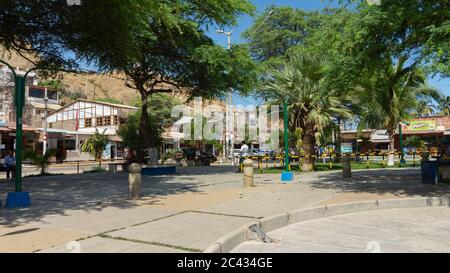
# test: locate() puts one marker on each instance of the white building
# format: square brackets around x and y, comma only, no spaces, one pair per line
[68,127]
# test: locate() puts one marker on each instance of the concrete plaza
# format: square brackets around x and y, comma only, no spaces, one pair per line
[407,230]
[183,212]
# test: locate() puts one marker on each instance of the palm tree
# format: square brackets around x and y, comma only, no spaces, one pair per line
[301,82]
[424,108]
[389,97]
[41,161]
[444,105]
[96,144]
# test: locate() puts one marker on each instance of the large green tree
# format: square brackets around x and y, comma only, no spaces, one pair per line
[159,116]
[391,96]
[159,45]
[301,82]
[277,30]
[417,29]
[173,52]
[358,37]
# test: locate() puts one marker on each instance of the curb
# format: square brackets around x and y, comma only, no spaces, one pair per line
[228,242]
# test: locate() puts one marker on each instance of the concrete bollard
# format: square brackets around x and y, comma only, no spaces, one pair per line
[134,181]
[248,173]
[347,168]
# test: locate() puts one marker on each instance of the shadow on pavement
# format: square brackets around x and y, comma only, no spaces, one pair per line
[405,182]
[57,194]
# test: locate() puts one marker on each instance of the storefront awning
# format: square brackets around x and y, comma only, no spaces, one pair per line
[425,132]
[380,140]
[5,129]
[25,128]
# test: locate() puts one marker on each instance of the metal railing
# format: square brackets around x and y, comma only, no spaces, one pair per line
[333,161]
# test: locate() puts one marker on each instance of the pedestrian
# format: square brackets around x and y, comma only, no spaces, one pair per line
[10,165]
[243,154]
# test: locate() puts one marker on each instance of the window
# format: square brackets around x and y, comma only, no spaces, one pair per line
[116,120]
[52,95]
[107,120]
[99,121]
[36,93]
[88,123]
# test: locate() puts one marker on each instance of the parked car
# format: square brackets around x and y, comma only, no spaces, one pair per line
[207,158]
[196,154]
[189,153]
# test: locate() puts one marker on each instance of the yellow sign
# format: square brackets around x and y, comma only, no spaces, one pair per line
[421,125]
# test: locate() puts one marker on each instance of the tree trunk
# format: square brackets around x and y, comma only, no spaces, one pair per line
[143,129]
[391,156]
[153,156]
[308,142]
[338,141]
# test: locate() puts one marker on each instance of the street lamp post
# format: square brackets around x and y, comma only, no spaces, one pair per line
[18,198]
[229,141]
[287,175]
[400,135]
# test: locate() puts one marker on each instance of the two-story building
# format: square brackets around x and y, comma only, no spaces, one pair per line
[8,112]
[70,126]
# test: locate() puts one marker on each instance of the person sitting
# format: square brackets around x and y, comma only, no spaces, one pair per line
[10,165]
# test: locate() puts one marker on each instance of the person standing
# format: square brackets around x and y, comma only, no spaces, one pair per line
[244,153]
[10,165]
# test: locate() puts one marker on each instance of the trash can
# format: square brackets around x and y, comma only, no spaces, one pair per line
[444,171]
[430,172]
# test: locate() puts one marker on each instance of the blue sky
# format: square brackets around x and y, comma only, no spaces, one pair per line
[246,21]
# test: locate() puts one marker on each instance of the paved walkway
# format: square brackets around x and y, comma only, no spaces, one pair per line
[414,230]
[183,212]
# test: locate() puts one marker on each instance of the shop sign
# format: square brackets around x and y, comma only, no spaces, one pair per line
[421,125]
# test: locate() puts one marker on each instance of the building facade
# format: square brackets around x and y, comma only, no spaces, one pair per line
[433,131]
[68,127]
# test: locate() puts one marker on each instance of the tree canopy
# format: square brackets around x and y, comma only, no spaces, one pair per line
[60,35]
[419,30]
[172,51]
[159,45]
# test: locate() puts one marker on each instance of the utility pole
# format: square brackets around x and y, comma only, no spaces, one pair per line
[229,135]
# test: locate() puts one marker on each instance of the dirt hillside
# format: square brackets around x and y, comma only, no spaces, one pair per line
[90,85]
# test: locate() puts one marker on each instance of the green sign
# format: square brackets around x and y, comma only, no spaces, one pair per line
[421,125]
